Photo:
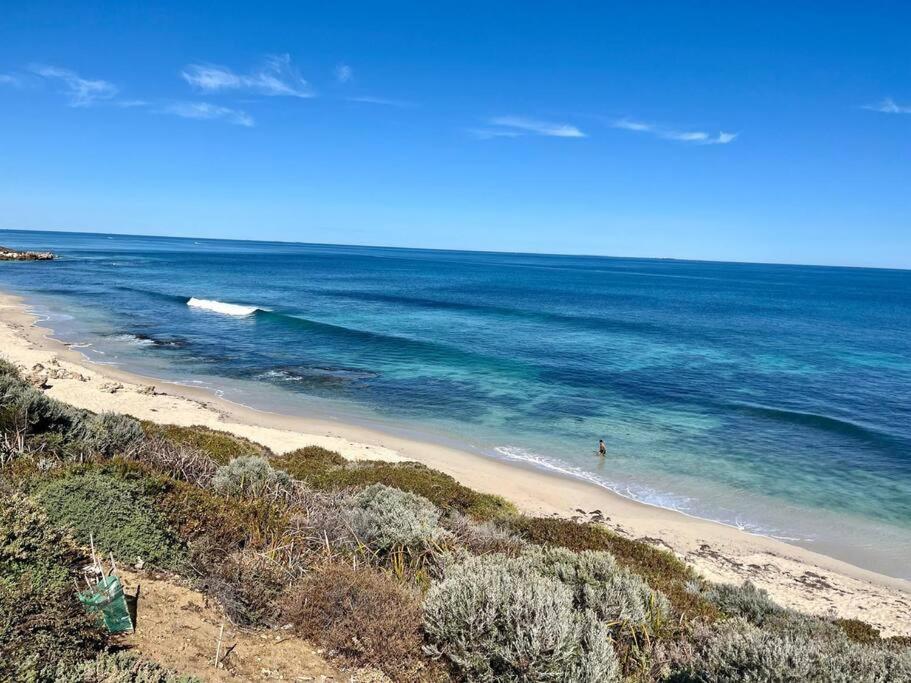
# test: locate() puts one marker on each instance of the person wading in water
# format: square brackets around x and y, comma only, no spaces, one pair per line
[602,449]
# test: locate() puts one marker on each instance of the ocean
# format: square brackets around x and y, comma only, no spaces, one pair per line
[774,398]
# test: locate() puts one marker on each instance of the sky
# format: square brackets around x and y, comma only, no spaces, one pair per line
[771,132]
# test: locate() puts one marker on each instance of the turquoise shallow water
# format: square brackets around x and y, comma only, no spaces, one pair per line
[774,398]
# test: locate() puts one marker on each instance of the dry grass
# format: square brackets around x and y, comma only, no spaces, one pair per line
[364,617]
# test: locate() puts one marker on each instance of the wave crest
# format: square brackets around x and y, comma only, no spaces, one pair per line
[221,307]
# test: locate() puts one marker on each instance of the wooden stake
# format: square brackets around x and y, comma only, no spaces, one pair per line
[221,632]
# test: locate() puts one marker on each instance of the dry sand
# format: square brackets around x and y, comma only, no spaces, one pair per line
[794,576]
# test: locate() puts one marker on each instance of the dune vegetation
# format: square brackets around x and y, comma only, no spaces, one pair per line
[392,566]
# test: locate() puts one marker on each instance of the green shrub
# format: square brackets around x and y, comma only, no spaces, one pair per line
[116,511]
[194,513]
[858,631]
[363,616]
[662,571]
[739,651]
[109,434]
[59,428]
[324,469]
[497,619]
[309,463]
[387,519]
[119,667]
[221,446]
[746,601]
[41,629]
[33,551]
[249,476]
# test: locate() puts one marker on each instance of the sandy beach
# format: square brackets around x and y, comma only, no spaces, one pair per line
[794,576]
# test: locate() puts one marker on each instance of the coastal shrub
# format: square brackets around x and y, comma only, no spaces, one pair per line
[221,446]
[663,572]
[310,463]
[496,618]
[249,476]
[614,594]
[746,601]
[324,469]
[195,513]
[33,551]
[245,583]
[175,460]
[858,631]
[118,514]
[119,667]
[481,538]
[25,408]
[363,616]
[42,628]
[739,651]
[387,519]
[109,434]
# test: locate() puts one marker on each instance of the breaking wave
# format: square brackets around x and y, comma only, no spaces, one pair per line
[221,307]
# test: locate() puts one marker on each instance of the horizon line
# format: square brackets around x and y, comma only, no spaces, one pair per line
[463,251]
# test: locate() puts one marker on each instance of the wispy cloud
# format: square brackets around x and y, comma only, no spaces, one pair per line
[369,99]
[491,133]
[210,112]
[513,126]
[277,77]
[343,73]
[698,137]
[889,106]
[82,92]
[8,79]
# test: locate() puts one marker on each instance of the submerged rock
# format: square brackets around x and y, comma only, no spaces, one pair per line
[7,254]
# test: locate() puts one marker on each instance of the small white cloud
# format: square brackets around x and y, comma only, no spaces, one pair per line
[8,79]
[695,136]
[626,124]
[82,92]
[491,133]
[369,99]
[210,112]
[343,73]
[519,123]
[277,77]
[889,106]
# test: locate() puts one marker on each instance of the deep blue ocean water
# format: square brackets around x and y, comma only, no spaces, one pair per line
[775,398]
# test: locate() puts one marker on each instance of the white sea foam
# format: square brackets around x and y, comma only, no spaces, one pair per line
[221,307]
[133,339]
[642,494]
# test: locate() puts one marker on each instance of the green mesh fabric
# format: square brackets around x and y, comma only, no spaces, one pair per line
[107,598]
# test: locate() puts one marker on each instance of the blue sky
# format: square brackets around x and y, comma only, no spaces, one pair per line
[730,131]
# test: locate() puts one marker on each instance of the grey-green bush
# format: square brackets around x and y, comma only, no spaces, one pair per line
[739,651]
[386,518]
[498,619]
[112,434]
[249,476]
[119,667]
[23,406]
[747,601]
[613,593]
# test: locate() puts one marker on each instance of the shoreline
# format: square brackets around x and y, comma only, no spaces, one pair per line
[794,576]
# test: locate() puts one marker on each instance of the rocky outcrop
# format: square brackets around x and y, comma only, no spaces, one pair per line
[7,254]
